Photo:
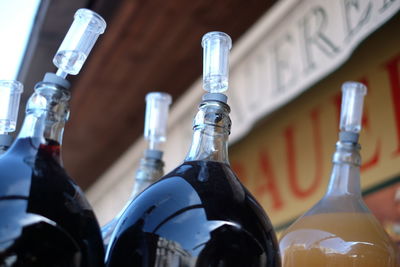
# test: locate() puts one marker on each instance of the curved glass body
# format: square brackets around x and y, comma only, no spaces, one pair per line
[151,165]
[339,230]
[346,239]
[197,215]
[45,217]
[149,171]
[19,245]
[51,222]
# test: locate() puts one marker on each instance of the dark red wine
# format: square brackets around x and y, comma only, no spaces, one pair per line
[50,222]
[31,240]
[197,215]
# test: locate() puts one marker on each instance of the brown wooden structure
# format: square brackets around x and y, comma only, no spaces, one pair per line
[149,45]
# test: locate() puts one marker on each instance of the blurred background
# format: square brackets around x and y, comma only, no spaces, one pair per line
[288,62]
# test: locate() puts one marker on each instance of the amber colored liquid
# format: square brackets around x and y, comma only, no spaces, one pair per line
[337,239]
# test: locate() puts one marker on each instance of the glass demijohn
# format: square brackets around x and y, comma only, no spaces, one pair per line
[151,166]
[340,230]
[45,217]
[199,214]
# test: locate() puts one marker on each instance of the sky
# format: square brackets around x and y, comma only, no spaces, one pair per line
[16,19]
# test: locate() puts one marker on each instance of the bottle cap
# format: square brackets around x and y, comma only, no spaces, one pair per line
[5,140]
[352,106]
[153,154]
[216,46]
[10,95]
[50,77]
[157,108]
[79,41]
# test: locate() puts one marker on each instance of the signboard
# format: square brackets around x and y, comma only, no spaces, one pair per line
[311,39]
[293,46]
[286,160]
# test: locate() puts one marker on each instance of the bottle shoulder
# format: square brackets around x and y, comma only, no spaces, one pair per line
[193,207]
[345,209]
[343,203]
[210,186]
[16,168]
[29,166]
[28,171]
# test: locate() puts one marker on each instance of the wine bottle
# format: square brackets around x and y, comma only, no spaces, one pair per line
[10,94]
[151,166]
[340,230]
[45,217]
[199,214]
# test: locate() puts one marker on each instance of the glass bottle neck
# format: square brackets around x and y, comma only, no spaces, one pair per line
[211,130]
[345,177]
[148,172]
[47,111]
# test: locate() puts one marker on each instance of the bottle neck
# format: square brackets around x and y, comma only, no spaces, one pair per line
[211,130]
[148,172]
[47,111]
[345,177]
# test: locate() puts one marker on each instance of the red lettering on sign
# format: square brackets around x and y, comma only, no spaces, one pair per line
[392,68]
[271,185]
[291,158]
[337,101]
[367,127]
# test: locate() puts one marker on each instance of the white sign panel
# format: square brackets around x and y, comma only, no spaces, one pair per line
[309,40]
[290,48]
[293,46]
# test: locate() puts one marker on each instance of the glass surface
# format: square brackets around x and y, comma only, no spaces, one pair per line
[151,165]
[69,61]
[10,95]
[340,230]
[19,246]
[352,106]
[30,171]
[79,41]
[149,171]
[197,215]
[337,239]
[156,119]
[216,46]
